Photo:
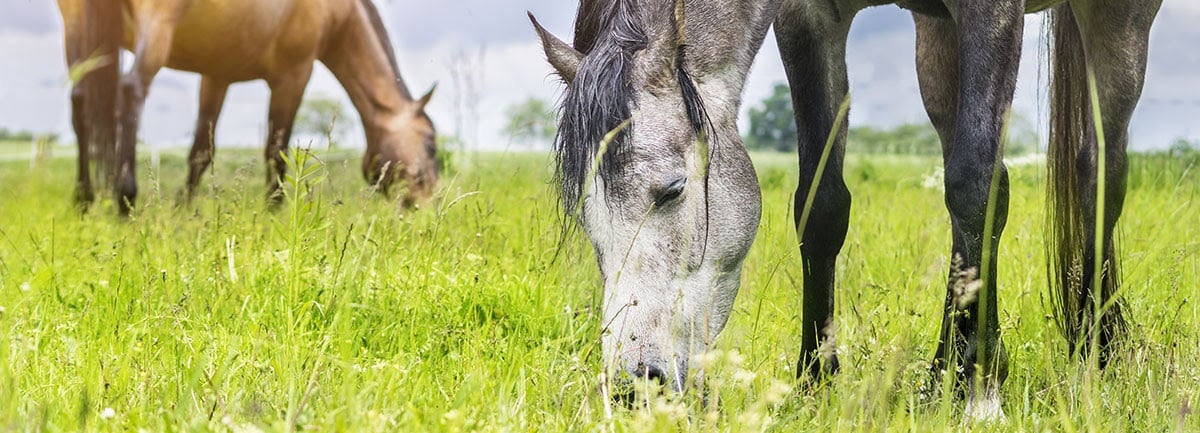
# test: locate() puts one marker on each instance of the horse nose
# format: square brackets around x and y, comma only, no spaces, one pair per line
[651,372]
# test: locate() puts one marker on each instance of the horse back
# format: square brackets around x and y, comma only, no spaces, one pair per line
[235,40]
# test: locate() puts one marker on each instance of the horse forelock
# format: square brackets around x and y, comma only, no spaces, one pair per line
[598,100]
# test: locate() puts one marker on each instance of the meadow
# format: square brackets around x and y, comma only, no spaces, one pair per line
[339,312]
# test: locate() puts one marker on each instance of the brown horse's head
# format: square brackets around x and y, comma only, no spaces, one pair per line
[407,152]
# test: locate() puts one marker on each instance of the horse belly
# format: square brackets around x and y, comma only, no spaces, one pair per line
[942,8]
[1032,6]
[228,39]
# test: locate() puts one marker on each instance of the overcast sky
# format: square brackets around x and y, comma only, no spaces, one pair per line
[497,38]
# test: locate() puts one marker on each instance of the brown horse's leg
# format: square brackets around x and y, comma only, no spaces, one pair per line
[150,55]
[1115,39]
[83,181]
[92,30]
[286,94]
[212,97]
[812,44]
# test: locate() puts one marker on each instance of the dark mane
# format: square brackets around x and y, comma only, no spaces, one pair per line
[598,100]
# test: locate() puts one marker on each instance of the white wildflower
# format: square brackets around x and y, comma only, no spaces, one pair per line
[734,358]
[743,378]
[776,393]
[707,359]
[935,180]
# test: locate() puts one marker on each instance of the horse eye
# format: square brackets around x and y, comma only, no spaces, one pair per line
[670,191]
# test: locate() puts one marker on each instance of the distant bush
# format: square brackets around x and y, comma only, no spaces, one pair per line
[23,135]
[1184,147]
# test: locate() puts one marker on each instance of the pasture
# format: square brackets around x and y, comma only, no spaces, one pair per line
[335,313]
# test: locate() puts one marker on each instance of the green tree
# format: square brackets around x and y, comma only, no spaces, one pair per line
[322,116]
[1183,145]
[904,139]
[772,122]
[531,121]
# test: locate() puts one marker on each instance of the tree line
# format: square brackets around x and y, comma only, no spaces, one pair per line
[25,135]
[772,128]
[531,123]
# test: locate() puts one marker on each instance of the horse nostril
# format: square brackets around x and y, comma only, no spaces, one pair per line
[651,372]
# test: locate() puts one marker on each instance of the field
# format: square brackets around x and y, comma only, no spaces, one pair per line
[336,312]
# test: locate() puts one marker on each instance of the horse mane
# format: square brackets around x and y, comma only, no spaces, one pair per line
[598,100]
[386,43]
[593,18]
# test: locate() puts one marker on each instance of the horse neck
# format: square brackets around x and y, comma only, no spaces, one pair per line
[364,67]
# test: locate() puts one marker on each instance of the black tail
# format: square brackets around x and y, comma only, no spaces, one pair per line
[1071,125]
[102,33]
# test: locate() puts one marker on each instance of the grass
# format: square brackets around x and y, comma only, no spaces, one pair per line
[336,312]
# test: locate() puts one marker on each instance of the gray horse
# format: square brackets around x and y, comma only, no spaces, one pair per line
[671,203]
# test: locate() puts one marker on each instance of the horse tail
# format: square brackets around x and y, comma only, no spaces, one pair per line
[101,43]
[1070,121]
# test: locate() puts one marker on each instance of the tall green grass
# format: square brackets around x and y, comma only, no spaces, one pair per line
[340,312]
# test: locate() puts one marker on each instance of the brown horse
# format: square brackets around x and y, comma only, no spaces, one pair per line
[228,41]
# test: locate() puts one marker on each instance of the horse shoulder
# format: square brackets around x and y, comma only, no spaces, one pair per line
[303,29]
[72,16]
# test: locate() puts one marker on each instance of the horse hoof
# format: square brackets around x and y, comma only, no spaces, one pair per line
[985,408]
[84,199]
[818,368]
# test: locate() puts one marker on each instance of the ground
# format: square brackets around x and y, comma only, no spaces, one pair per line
[340,312]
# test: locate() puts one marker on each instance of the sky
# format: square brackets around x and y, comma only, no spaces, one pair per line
[494,43]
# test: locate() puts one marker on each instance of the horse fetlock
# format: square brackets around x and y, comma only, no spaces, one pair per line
[84,195]
[985,375]
[126,192]
[817,366]
[988,365]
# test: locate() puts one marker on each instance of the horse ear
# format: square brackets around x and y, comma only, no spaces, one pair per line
[424,100]
[561,55]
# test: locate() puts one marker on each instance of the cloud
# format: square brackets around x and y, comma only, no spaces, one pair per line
[423,24]
[36,17]
[428,35]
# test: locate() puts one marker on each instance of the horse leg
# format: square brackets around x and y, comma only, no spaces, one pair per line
[92,29]
[1115,36]
[937,76]
[812,43]
[83,180]
[988,51]
[151,54]
[286,94]
[212,97]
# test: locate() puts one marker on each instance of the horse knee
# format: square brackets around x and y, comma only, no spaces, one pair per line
[968,191]
[77,97]
[824,232]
